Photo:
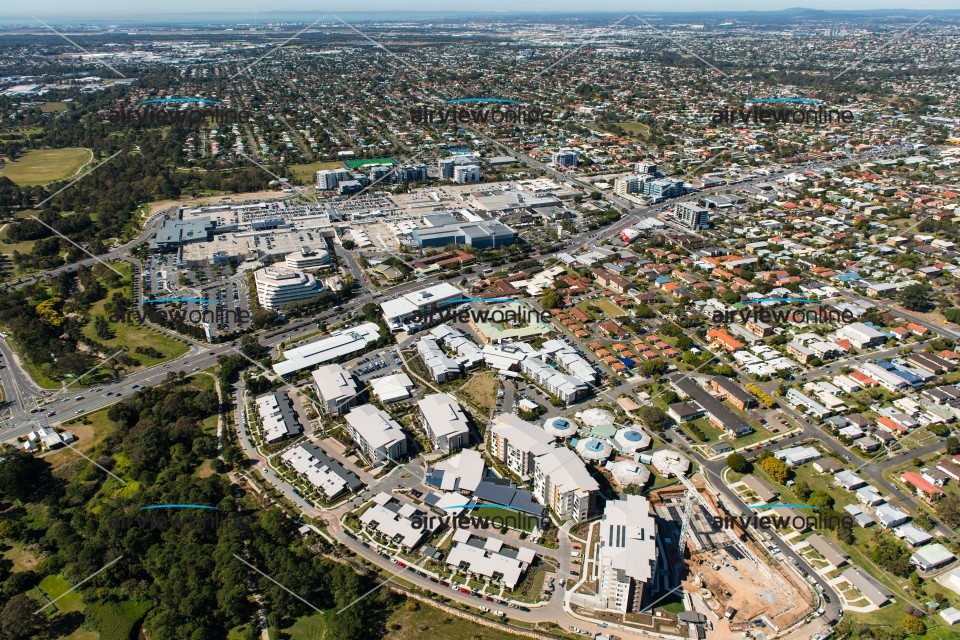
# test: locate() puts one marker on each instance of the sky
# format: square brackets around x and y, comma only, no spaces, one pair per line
[125,8]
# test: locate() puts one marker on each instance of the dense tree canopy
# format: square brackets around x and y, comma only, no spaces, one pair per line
[184,567]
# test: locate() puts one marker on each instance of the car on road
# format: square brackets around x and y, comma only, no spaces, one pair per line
[50,414]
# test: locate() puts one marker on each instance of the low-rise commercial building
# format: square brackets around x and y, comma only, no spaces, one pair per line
[796,456]
[408,311]
[719,414]
[337,345]
[485,234]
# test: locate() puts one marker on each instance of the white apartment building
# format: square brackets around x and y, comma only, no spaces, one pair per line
[489,558]
[444,422]
[279,286]
[569,360]
[560,479]
[330,179]
[562,482]
[440,366]
[377,434]
[627,557]
[629,185]
[466,174]
[517,443]
[568,388]
[337,389]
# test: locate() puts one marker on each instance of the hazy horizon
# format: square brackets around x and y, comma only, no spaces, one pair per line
[106,9]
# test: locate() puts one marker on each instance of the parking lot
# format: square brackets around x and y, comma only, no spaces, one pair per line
[375,365]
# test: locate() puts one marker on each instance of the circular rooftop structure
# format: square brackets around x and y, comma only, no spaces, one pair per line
[631,439]
[668,463]
[596,417]
[629,472]
[594,449]
[560,427]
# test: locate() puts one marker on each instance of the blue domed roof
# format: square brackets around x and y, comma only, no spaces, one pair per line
[594,445]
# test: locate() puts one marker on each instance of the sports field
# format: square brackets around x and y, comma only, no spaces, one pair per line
[368,162]
[54,107]
[42,166]
[307,172]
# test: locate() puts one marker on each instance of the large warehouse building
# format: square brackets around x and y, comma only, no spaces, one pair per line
[486,234]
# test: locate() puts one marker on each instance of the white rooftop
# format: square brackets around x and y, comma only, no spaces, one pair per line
[339,343]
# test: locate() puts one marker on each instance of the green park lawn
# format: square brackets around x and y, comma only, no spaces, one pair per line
[42,166]
[637,128]
[306,172]
[55,586]
[132,335]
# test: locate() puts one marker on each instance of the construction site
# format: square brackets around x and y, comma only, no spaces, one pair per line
[726,574]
